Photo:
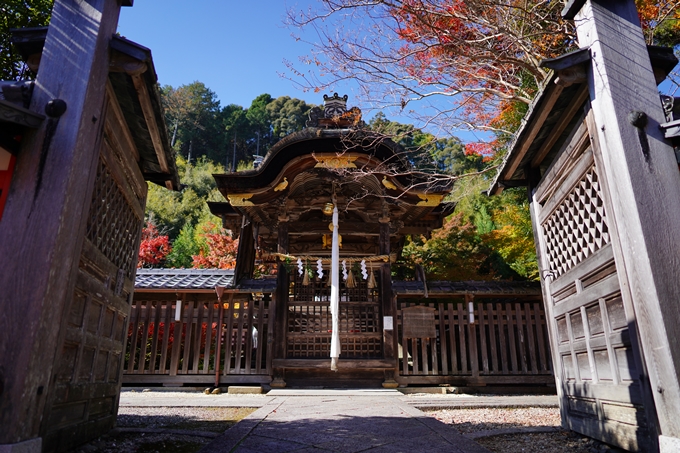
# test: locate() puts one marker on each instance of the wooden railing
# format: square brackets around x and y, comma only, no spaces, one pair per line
[160,346]
[505,339]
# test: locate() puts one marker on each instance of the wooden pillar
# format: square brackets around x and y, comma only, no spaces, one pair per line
[388,304]
[644,185]
[43,226]
[245,256]
[281,306]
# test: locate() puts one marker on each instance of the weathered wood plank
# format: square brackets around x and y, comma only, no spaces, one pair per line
[133,345]
[442,337]
[540,325]
[494,316]
[462,327]
[512,325]
[45,214]
[144,347]
[484,352]
[228,345]
[250,340]
[154,342]
[502,326]
[207,354]
[643,184]
[531,342]
[166,336]
[189,324]
[196,346]
[177,335]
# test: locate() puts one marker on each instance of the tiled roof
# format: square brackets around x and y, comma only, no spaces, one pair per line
[183,279]
[470,287]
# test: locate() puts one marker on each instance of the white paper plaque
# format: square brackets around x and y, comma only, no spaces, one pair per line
[387,323]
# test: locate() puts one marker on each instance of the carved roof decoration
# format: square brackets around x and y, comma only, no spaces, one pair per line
[334,114]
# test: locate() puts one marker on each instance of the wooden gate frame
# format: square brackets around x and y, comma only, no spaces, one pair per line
[64,294]
[641,187]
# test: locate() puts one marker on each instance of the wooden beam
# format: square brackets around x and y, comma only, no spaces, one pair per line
[120,130]
[353,364]
[150,118]
[552,93]
[561,124]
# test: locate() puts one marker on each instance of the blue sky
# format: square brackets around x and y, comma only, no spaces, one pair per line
[235,47]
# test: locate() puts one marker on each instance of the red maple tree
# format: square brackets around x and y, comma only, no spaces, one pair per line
[154,247]
[220,250]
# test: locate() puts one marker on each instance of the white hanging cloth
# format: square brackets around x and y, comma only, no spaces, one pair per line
[335,293]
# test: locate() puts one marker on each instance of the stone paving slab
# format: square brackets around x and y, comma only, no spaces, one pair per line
[340,424]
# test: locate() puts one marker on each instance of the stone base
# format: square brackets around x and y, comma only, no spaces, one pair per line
[278,383]
[245,389]
[667,444]
[390,384]
[27,446]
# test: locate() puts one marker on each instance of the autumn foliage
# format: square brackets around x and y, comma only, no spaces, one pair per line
[219,250]
[154,247]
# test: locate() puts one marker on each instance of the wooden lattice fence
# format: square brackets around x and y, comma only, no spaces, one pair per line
[507,342]
[163,350]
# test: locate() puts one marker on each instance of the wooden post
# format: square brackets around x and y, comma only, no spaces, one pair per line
[43,224]
[281,306]
[388,304]
[644,185]
[245,257]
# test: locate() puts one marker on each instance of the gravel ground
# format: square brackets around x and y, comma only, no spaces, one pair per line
[475,420]
[160,429]
[483,422]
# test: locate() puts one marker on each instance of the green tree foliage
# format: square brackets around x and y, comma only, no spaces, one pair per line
[287,115]
[19,14]
[425,151]
[171,211]
[184,247]
[200,127]
[194,117]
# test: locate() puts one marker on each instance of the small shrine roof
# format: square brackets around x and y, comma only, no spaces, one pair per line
[182,279]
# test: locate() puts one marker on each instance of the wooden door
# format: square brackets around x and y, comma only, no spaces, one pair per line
[88,370]
[309,322]
[597,361]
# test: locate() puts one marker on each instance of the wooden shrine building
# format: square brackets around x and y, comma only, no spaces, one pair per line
[604,188]
[390,332]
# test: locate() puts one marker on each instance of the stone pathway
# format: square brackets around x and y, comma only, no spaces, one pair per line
[341,421]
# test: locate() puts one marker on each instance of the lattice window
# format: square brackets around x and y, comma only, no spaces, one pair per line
[112,225]
[578,226]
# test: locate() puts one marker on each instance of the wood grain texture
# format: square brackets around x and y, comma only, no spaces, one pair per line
[644,185]
[45,214]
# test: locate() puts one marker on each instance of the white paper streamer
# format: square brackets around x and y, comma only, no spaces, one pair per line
[299,263]
[319,268]
[335,294]
[364,272]
[344,270]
